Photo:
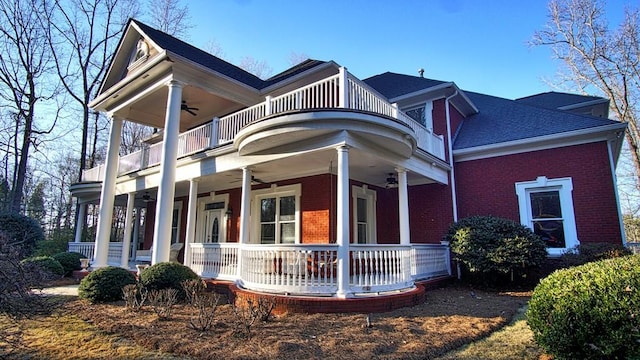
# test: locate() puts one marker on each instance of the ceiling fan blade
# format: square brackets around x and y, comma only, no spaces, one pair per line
[190,111]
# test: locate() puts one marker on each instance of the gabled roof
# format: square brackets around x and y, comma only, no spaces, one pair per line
[198,56]
[393,85]
[501,120]
[557,100]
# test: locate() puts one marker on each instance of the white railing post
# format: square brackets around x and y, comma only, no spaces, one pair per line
[268,110]
[394,110]
[144,158]
[215,123]
[343,87]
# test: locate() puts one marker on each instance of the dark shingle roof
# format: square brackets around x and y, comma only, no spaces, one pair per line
[556,100]
[501,120]
[393,85]
[297,69]
[214,63]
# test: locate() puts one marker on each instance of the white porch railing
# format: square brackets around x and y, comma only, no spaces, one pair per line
[634,247]
[114,255]
[323,94]
[295,269]
[429,261]
[377,268]
[308,269]
[218,261]
[84,248]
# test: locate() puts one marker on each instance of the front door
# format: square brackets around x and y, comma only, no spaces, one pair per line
[213,218]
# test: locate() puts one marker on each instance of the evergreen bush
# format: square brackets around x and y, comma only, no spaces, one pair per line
[590,311]
[23,232]
[488,245]
[47,264]
[70,261]
[105,284]
[167,275]
[588,252]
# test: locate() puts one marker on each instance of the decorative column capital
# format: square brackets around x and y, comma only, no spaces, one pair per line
[175,83]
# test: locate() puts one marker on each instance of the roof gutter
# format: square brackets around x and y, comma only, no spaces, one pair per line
[454,196]
[542,142]
[612,164]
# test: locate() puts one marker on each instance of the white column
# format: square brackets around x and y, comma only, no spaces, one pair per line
[403,208]
[82,214]
[128,227]
[107,196]
[191,220]
[342,221]
[244,214]
[166,189]
[136,232]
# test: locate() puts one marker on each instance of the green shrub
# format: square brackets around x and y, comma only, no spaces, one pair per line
[105,284]
[590,311]
[588,252]
[46,263]
[488,245]
[167,275]
[23,232]
[69,260]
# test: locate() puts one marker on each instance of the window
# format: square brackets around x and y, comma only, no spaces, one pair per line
[278,215]
[364,215]
[175,222]
[546,206]
[423,114]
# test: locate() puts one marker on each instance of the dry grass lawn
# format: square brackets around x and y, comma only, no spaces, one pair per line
[450,318]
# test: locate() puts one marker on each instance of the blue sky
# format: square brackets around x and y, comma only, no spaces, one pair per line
[481,45]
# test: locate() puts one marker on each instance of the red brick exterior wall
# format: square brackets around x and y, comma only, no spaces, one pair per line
[487,186]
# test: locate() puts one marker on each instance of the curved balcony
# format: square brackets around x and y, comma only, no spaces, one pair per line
[306,112]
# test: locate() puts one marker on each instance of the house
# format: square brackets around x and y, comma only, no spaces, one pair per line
[314,182]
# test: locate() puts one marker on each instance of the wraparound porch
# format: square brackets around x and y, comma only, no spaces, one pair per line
[308,269]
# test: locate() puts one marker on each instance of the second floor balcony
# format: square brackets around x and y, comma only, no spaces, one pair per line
[340,92]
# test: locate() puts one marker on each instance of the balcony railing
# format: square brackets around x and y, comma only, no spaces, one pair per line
[323,94]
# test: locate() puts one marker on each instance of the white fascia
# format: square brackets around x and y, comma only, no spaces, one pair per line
[576,137]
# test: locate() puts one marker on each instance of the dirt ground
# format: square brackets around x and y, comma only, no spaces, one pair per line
[450,318]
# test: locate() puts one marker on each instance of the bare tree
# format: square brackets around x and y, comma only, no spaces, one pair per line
[593,56]
[170,17]
[259,68]
[25,65]
[82,35]
[296,58]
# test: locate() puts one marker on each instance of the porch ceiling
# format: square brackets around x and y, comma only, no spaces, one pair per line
[364,166]
[151,109]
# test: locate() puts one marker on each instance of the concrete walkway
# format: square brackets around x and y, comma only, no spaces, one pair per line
[68,290]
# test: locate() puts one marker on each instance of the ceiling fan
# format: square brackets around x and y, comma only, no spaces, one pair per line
[147,197]
[187,108]
[392,181]
[254,180]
